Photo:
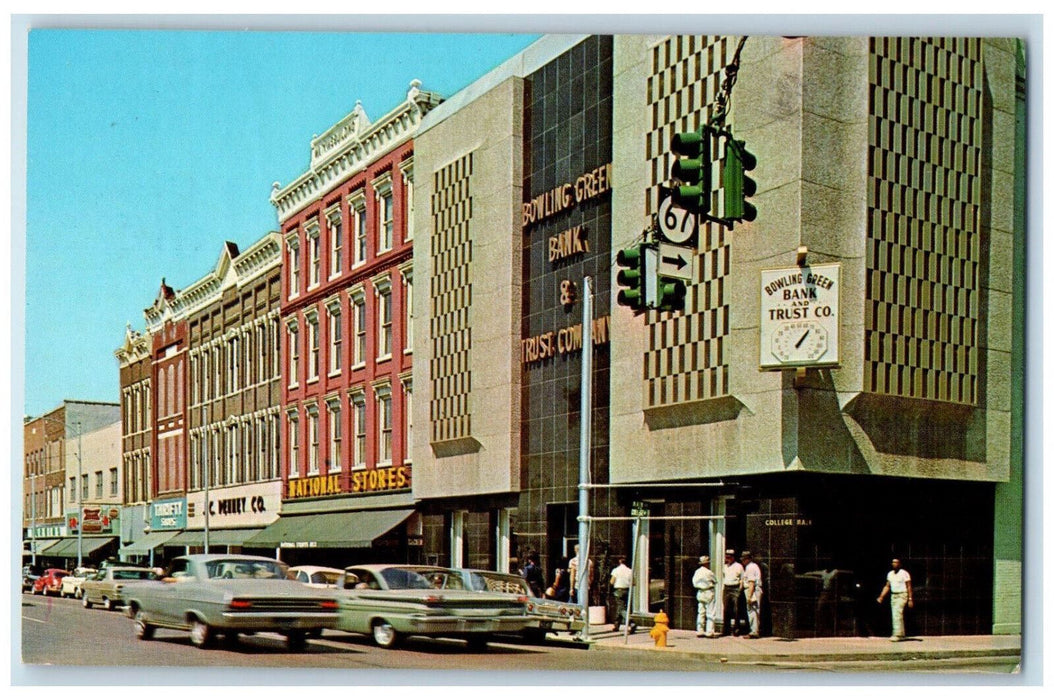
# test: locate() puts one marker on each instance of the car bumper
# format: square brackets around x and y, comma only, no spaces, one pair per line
[555,624]
[264,621]
[436,625]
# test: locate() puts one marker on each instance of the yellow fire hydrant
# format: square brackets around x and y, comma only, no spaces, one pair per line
[660,628]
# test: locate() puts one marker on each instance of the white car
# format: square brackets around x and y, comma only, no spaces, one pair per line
[315,576]
[71,585]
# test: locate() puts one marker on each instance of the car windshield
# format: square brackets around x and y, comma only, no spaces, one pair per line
[399,579]
[133,574]
[242,568]
[328,578]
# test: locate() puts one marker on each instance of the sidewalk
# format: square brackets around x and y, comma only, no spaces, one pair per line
[774,649]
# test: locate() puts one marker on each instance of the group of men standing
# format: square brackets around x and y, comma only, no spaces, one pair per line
[738,579]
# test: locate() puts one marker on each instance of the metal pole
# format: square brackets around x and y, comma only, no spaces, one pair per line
[33,516]
[80,501]
[584,450]
[632,578]
[208,468]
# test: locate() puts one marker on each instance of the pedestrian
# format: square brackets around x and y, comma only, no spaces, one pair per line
[705,582]
[532,573]
[752,591]
[621,577]
[561,588]
[731,587]
[574,577]
[898,588]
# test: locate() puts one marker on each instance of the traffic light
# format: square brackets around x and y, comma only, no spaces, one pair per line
[692,170]
[630,277]
[737,185]
[671,293]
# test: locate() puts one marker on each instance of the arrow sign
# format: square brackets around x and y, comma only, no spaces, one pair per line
[676,262]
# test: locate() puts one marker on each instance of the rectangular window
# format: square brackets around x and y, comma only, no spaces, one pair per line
[312,426]
[315,251]
[261,347]
[360,235]
[360,332]
[294,448]
[384,425]
[113,481]
[234,365]
[275,447]
[408,321]
[335,332]
[360,432]
[387,222]
[384,320]
[408,415]
[336,243]
[408,197]
[98,484]
[84,488]
[313,340]
[73,489]
[294,355]
[294,270]
[334,438]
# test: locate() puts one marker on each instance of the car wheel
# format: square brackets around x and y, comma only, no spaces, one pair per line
[84,600]
[107,603]
[200,634]
[143,630]
[296,641]
[477,643]
[384,634]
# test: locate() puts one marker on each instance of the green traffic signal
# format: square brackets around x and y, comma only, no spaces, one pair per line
[737,185]
[691,170]
[671,294]
[630,278]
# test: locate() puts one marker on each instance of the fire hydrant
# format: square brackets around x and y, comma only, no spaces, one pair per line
[660,628]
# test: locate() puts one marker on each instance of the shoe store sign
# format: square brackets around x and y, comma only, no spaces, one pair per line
[799,316]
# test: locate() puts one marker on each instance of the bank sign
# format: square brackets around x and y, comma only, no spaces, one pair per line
[799,316]
[169,514]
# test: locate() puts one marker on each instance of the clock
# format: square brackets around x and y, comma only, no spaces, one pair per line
[799,342]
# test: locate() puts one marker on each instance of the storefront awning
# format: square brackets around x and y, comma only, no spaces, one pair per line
[41,545]
[345,530]
[220,538]
[148,543]
[67,546]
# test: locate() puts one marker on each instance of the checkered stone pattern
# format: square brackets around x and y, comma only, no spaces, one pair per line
[451,297]
[687,355]
[923,253]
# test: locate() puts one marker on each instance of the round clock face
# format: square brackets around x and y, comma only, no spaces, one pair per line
[799,341]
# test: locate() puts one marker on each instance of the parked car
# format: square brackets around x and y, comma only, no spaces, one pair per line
[30,573]
[49,582]
[315,576]
[392,601]
[106,586]
[210,594]
[71,584]
[546,615]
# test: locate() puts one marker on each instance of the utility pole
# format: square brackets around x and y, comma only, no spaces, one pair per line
[80,501]
[207,469]
[584,452]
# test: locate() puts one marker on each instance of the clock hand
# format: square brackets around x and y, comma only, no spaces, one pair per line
[802,339]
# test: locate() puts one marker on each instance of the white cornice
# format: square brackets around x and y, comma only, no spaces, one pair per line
[349,146]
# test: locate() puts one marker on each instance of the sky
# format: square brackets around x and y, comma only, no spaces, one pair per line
[147,149]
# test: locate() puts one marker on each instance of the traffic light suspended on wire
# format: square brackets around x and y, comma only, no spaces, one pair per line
[691,172]
[737,185]
[630,277]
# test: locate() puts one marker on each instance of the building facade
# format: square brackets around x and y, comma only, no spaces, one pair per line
[347,352]
[135,377]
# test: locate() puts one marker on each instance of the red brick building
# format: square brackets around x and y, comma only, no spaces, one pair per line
[347,347]
[168,332]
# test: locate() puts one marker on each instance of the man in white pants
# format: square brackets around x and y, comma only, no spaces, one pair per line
[752,589]
[898,587]
[705,582]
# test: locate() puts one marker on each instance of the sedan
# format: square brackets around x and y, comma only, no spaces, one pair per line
[229,594]
[71,585]
[50,581]
[546,615]
[315,576]
[392,601]
[106,587]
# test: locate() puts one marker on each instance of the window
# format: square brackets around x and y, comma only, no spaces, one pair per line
[336,241]
[384,320]
[335,337]
[359,304]
[233,365]
[334,436]
[84,488]
[73,489]
[359,408]
[357,205]
[313,340]
[261,460]
[275,446]
[294,354]
[312,426]
[407,166]
[261,349]
[408,416]
[232,455]
[408,308]
[387,223]
[294,447]
[314,246]
[384,425]
[294,267]
[98,484]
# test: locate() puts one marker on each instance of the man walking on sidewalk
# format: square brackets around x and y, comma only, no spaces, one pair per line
[621,577]
[705,581]
[898,587]
[731,585]
[752,589]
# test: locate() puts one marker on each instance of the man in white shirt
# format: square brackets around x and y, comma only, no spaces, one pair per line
[621,576]
[898,588]
[731,587]
[573,566]
[752,590]
[705,582]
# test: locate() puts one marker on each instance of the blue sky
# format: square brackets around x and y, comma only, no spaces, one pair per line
[147,149]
